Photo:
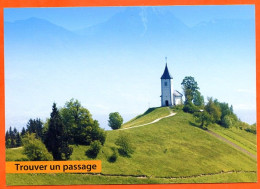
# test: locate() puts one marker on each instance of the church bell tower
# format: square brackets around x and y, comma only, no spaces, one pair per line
[166,88]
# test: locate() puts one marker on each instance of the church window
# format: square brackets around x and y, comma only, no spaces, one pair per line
[165,83]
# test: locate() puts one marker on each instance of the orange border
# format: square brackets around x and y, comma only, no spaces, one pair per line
[81,3]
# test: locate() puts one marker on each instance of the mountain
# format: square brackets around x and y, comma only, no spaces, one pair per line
[38,37]
[37,31]
[134,27]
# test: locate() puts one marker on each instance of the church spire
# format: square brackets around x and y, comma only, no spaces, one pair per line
[166,74]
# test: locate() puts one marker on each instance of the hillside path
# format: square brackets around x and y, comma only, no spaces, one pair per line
[232,144]
[154,121]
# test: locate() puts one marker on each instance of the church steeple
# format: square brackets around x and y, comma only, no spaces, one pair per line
[166,74]
[166,87]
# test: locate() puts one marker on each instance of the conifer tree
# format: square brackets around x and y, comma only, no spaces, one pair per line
[18,140]
[35,126]
[56,138]
[23,131]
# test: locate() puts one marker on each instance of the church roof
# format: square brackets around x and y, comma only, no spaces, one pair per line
[166,74]
[177,93]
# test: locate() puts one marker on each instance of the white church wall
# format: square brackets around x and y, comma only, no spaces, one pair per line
[178,100]
[166,92]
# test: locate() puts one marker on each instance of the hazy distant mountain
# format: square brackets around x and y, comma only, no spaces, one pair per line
[134,25]
[38,33]
[138,22]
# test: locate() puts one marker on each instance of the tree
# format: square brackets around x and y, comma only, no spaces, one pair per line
[7,139]
[125,146]
[198,99]
[56,138]
[190,107]
[18,140]
[203,118]
[115,120]
[23,132]
[34,149]
[227,121]
[214,110]
[94,149]
[35,126]
[79,124]
[189,86]
[12,138]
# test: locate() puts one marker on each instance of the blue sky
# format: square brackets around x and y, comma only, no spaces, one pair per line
[84,53]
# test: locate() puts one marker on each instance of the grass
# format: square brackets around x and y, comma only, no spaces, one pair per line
[15,154]
[150,115]
[76,179]
[168,148]
[240,137]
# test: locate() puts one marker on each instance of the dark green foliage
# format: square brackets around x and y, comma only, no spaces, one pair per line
[125,145]
[115,120]
[35,126]
[18,139]
[7,140]
[56,138]
[247,127]
[94,149]
[79,125]
[251,129]
[189,107]
[97,133]
[12,138]
[23,132]
[34,149]
[114,156]
[189,86]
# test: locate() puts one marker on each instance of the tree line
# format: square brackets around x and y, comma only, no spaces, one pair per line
[211,112]
[69,125]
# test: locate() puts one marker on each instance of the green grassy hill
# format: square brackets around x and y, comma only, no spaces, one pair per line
[150,115]
[168,151]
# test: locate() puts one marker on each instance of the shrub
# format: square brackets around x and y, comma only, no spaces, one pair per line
[189,107]
[94,149]
[125,146]
[203,118]
[34,149]
[113,157]
[227,121]
[178,107]
[251,130]
[115,120]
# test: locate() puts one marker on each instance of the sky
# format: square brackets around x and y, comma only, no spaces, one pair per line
[77,18]
[119,70]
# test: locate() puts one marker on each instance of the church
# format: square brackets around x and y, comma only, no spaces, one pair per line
[169,97]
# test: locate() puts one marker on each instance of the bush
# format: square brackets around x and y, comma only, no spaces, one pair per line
[94,149]
[34,149]
[189,107]
[251,130]
[115,120]
[227,121]
[113,157]
[203,118]
[125,146]
[178,107]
